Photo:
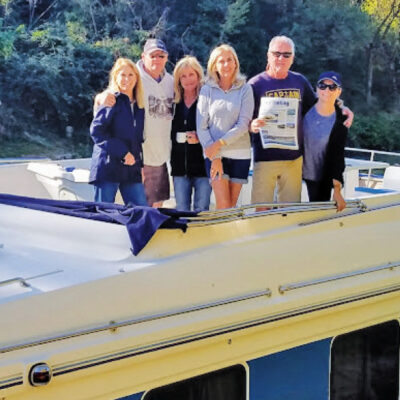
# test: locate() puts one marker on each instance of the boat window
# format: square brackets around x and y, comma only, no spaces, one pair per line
[365,364]
[228,383]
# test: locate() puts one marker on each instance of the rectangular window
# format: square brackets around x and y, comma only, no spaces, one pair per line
[224,384]
[365,364]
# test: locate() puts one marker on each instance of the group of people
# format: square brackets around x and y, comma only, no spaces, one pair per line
[206,128]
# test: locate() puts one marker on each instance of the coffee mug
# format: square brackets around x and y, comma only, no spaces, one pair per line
[181,137]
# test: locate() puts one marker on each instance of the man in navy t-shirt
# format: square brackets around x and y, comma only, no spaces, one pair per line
[282,98]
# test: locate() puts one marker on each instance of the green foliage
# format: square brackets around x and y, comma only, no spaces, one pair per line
[236,17]
[329,36]
[379,131]
[7,37]
[64,49]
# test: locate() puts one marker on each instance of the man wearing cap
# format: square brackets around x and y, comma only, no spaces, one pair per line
[278,158]
[158,88]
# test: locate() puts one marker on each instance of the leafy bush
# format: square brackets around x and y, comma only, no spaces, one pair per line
[379,131]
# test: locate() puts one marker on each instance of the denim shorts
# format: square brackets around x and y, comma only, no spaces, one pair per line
[235,170]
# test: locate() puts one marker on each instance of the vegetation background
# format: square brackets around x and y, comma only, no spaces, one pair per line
[55,55]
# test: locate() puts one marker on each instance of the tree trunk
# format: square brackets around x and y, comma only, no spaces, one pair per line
[396,94]
[370,67]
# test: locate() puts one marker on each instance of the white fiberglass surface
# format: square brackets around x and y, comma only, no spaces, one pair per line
[50,251]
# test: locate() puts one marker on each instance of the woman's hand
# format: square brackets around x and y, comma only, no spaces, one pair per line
[213,150]
[337,196]
[191,137]
[350,117]
[129,159]
[216,169]
[256,124]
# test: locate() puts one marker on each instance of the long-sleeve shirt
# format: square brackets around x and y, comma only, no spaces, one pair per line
[226,115]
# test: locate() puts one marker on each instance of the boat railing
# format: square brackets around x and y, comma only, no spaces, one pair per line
[264,209]
[22,160]
[371,156]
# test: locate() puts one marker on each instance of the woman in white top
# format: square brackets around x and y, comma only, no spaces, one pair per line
[224,110]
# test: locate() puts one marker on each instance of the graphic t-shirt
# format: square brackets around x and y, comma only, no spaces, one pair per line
[158,98]
[294,86]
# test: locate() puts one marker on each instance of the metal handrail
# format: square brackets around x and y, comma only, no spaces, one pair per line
[242,212]
[372,156]
[113,325]
[23,281]
[332,278]
[387,153]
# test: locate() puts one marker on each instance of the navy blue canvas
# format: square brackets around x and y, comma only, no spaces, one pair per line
[140,221]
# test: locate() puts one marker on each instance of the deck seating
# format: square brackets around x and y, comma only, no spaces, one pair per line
[391,178]
[390,184]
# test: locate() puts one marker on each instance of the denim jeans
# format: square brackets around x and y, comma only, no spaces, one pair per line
[130,192]
[184,186]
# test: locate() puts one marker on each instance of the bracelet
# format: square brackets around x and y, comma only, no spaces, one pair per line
[222,142]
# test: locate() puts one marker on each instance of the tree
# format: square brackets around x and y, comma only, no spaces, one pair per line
[385,15]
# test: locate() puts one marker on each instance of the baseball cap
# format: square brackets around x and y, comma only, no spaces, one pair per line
[153,45]
[332,75]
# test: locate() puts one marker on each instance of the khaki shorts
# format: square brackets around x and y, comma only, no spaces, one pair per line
[285,176]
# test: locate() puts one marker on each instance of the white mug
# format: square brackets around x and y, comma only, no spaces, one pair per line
[181,137]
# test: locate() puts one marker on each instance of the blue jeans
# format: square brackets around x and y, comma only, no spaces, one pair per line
[130,192]
[183,187]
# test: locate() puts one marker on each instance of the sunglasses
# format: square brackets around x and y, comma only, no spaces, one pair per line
[153,57]
[323,86]
[277,54]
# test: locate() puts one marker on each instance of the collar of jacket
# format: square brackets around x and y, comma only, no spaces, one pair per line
[236,85]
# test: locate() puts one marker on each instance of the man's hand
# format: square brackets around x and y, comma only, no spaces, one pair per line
[256,124]
[104,99]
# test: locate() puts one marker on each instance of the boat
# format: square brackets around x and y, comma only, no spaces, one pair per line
[295,302]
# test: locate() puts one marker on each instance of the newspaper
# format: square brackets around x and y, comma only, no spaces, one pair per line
[281,127]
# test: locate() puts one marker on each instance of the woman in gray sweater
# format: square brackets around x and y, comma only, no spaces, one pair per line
[224,110]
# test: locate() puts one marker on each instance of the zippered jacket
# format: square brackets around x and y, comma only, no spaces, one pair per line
[115,132]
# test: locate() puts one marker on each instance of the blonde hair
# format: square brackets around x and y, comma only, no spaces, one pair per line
[187,61]
[212,61]
[137,90]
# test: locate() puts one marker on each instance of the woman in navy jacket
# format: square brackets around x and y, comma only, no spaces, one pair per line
[117,133]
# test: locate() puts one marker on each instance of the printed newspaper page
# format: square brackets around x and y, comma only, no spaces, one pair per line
[281,127]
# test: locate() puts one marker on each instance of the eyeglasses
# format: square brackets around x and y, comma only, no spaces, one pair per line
[154,56]
[277,54]
[323,86]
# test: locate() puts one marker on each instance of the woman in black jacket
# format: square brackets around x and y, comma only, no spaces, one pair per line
[324,143]
[187,161]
